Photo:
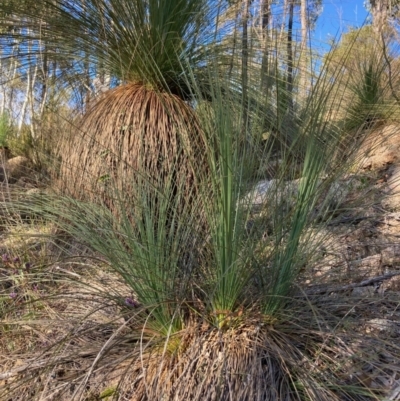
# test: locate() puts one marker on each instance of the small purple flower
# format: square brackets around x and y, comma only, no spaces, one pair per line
[28,265]
[131,302]
[13,295]
[16,259]
[5,258]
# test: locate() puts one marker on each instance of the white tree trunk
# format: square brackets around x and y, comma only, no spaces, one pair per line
[303,50]
[29,99]
[24,104]
[380,14]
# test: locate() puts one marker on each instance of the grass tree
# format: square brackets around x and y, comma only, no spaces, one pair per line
[146,121]
[204,297]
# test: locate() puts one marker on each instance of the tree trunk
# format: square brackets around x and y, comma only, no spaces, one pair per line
[290,57]
[25,103]
[12,79]
[380,14]
[380,10]
[281,38]
[265,12]
[235,35]
[303,50]
[3,90]
[245,62]
[31,100]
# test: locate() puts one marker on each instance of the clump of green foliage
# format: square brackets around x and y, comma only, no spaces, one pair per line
[369,67]
[5,129]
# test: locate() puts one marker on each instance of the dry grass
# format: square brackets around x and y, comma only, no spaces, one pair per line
[132,133]
[308,355]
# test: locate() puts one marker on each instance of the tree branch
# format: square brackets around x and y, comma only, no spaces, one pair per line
[341,288]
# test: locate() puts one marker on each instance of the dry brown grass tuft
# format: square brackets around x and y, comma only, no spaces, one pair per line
[252,361]
[132,134]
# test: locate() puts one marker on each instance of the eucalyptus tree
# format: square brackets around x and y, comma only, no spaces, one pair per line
[380,10]
[37,66]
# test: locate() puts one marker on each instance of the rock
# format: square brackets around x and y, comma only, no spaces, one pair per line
[381,148]
[367,267]
[393,219]
[363,292]
[259,194]
[392,190]
[284,193]
[393,284]
[391,255]
[340,190]
[280,193]
[384,325]
[393,183]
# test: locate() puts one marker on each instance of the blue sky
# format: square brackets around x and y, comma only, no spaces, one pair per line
[337,17]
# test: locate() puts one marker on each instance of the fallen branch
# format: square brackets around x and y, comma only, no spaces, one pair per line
[341,288]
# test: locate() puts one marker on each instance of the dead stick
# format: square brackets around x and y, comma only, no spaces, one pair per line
[364,283]
[40,364]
